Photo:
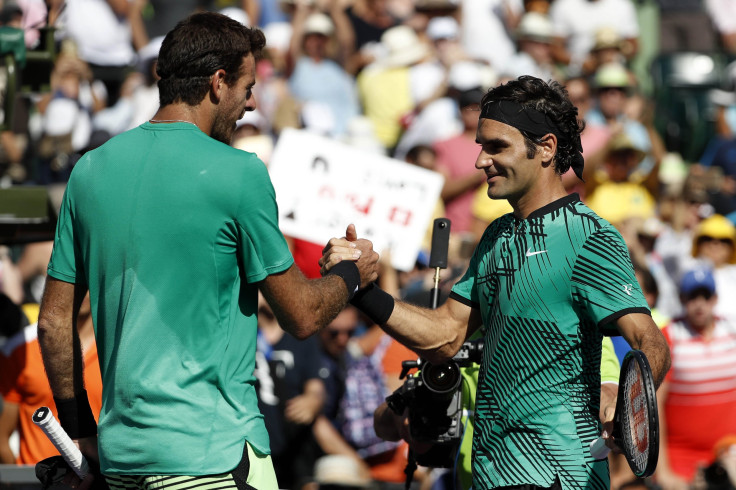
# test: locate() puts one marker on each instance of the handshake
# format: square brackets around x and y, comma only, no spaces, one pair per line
[353,249]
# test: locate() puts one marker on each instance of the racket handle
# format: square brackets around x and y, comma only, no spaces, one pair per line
[598,448]
[46,421]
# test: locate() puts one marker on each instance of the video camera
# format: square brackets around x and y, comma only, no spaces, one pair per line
[433,397]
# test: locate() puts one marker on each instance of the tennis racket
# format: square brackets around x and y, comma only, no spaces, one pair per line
[46,421]
[636,422]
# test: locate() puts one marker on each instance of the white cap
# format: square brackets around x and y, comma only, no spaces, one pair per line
[535,27]
[443,28]
[150,51]
[319,23]
[465,75]
[278,35]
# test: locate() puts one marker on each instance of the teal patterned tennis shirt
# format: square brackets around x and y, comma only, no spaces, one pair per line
[548,287]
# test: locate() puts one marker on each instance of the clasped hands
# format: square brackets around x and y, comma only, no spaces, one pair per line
[350,247]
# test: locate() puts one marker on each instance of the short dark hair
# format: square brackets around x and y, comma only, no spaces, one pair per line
[196,48]
[551,99]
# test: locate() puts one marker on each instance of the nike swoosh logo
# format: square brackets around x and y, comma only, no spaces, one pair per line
[529,252]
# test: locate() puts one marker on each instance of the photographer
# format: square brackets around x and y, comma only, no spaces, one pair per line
[545,283]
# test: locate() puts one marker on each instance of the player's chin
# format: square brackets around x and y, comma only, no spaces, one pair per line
[496,192]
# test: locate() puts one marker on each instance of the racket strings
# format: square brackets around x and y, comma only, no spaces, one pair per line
[636,418]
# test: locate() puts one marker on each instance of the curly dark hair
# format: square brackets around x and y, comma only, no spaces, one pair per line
[196,48]
[551,99]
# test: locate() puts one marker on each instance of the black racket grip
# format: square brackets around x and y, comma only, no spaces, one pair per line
[440,243]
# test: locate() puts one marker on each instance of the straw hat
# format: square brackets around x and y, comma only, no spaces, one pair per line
[622,142]
[607,38]
[403,46]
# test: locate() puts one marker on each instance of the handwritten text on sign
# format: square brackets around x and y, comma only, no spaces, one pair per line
[323,185]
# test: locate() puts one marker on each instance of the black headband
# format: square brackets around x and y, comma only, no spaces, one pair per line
[533,122]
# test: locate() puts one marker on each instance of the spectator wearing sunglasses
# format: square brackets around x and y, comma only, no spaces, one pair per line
[697,401]
[714,245]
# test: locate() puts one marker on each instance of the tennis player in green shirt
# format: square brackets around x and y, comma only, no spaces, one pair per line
[545,283]
[174,232]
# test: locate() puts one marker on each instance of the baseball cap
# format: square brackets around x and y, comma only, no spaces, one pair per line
[612,75]
[319,23]
[535,27]
[443,28]
[470,97]
[696,279]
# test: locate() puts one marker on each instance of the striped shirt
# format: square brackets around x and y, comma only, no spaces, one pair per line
[700,407]
[547,287]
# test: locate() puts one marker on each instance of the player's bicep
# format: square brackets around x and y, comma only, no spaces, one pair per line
[463,318]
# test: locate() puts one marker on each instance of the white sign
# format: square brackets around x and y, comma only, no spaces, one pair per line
[323,185]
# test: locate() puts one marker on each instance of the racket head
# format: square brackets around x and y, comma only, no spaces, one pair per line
[637,419]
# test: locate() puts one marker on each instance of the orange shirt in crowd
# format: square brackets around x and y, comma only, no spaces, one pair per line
[23,382]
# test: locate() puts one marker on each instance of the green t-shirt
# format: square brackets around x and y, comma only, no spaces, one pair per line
[546,288]
[172,230]
[610,371]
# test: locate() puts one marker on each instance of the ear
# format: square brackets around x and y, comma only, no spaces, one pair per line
[217,83]
[547,149]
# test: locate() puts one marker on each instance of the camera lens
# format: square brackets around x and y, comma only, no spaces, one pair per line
[441,378]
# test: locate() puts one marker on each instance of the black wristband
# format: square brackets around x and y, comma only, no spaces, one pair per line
[374,302]
[75,416]
[348,271]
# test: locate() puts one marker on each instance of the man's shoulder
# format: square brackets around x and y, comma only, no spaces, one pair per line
[578,213]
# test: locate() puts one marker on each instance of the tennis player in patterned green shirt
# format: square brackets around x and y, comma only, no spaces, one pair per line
[545,283]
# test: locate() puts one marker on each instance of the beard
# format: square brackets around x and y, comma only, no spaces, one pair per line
[223,131]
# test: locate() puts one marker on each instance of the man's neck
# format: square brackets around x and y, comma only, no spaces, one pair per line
[181,112]
[534,199]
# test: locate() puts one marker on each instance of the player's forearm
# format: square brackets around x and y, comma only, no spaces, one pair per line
[429,333]
[62,356]
[314,306]
[658,354]
[642,333]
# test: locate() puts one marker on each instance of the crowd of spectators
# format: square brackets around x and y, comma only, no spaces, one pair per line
[402,78]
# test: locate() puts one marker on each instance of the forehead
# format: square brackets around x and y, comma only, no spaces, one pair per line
[490,129]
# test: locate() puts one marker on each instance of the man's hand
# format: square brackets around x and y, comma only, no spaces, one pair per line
[350,247]
[392,427]
[609,395]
